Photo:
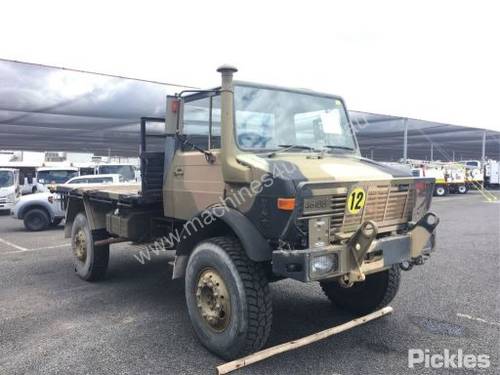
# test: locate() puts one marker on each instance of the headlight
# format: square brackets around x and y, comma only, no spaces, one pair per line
[11,197]
[323,264]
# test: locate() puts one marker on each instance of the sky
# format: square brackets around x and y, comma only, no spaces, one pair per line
[430,60]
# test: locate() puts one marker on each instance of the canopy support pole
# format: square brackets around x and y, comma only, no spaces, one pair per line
[483,154]
[405,140]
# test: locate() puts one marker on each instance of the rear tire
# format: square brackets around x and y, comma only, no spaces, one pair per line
[440,191]
[36,219]
[377,291]
[90,261]
[239,322]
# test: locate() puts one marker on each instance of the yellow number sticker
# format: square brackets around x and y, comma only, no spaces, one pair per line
[356,201]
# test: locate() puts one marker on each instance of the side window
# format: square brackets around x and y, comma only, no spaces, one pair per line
[197,120]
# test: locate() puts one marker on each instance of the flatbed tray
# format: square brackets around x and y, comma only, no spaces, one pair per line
[129,194]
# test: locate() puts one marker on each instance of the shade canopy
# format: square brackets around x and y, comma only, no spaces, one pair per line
[50,109]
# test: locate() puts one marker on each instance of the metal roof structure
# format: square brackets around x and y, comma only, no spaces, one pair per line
[52,109]
[381,137]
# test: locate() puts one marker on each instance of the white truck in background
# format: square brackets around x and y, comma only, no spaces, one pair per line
[490,170]
[46,176]
[492,173]
[9,188]
[451,177]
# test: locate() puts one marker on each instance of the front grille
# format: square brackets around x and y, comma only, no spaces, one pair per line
[386,204]
[338,205]
[3,200]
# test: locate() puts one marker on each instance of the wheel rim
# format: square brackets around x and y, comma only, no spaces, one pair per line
[440,191]
[461,189]
[213,300]
[36,221]
[80,246]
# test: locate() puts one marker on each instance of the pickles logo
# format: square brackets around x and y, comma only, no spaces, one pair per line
[356,201]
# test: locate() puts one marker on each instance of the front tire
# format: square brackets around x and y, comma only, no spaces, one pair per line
[228,298]
[377,291]
[90,261]
[36,219]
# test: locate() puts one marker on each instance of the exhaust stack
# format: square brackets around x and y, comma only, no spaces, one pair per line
[232,170]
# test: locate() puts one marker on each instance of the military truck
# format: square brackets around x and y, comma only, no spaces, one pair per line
[253,184]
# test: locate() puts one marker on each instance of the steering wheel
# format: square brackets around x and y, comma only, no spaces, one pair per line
[252,139]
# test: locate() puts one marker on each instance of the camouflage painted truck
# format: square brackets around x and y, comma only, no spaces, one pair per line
[254,184]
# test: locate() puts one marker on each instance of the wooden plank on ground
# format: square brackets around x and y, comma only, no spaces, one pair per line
[294,344]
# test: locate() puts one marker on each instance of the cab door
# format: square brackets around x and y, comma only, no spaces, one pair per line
[194,182]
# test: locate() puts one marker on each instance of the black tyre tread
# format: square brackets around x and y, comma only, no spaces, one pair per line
[357,305]
[393,280]
[100,262]
[259,301]
[101,258]
[44,212]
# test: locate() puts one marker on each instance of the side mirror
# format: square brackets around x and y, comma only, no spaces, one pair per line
[173,110]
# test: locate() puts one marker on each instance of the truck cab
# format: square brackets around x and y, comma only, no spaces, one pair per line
[50,176]
[9,188]
[256,183]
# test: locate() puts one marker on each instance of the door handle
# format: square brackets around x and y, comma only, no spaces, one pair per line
[179,171]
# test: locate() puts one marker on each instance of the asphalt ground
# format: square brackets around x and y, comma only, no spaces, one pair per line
[135,321]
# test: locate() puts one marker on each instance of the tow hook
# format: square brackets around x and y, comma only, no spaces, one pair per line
[359,244]
[407,265]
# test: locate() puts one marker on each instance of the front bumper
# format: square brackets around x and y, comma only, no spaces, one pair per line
[349,259]
[7,206]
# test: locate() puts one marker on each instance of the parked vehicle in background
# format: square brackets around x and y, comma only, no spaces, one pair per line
[9,188]
[53,176]
[96,179]
[471,164]
[41,210]
[451,178]
[492,173]
[127,171]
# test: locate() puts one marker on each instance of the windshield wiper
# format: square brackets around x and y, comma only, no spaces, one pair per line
[339,147]
[290,147]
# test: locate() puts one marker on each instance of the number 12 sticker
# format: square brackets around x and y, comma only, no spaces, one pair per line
[356,201]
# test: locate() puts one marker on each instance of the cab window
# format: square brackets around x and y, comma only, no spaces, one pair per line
[201,125]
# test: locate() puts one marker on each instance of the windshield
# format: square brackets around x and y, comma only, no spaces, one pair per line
[270,119]
[55,176]
[6,178]
[126,171]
